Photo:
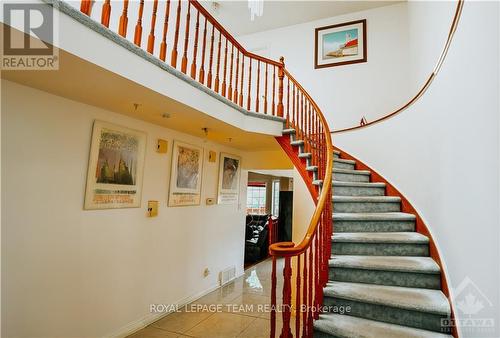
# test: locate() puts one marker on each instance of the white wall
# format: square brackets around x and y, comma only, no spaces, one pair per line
[74,273]
[443,153]
[346,93]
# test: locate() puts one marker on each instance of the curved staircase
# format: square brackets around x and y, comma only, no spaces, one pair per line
[377,260]
[380,267]
[380,273]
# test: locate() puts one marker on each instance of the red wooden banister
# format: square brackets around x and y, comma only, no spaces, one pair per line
[236,74]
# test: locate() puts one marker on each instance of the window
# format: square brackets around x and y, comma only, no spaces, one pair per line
[276,198]
[256,199]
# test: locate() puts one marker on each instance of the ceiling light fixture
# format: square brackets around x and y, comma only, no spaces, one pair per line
[256,8]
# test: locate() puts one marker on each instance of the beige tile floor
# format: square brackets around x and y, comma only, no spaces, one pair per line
[246,315]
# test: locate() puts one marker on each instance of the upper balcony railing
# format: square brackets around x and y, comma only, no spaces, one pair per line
[184,35]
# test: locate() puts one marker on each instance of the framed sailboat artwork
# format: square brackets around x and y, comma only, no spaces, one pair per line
[340,44]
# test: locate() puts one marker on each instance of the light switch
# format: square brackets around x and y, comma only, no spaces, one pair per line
[162,146]
[152,208]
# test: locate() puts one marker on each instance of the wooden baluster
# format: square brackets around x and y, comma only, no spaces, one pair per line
[258,87]
[309,130]
[317,276]
[316,141]
[300,130]
[86,6]
[203,52]
[225,72]
[297,126]
[302,115]
[173,61]
[281,75]
[265,92]
[195,49]
[235,96]
[274,92]
[306,126]
[122,28]
[287,103]
[249,82]
[106,13]
[217,79]
[209,78]
[297,299]
[286,331]
[310,295]
[184,61]
[242,77]
[273,299]
[151,37]
[294,112]
[163,45]
[304,298]
[230,89]
[138,26]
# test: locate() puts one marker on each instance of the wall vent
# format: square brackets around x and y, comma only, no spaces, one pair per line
[227,275]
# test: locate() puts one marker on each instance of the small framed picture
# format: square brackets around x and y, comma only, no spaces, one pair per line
[186,174]
[340,44]
[116,164]
[229,179]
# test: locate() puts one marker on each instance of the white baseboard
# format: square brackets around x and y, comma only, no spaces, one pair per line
[141,323]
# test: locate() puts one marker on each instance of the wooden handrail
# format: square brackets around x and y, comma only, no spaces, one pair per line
[430,78]
[285,249]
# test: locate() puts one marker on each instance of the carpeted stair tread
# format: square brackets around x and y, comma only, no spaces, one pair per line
[343,326]
[386,263]
[415,299]
[358,184]
[297,143]
[374,216]
[341,160]
[380,237]
[367,199]
[349,171]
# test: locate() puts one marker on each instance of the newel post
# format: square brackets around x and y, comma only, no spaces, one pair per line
[281,76]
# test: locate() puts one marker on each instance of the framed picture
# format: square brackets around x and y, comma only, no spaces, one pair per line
[116,164]
[229,179]
[186,174]
[340,44]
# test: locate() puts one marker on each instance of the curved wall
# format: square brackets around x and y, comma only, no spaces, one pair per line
[443,154]
[345,93]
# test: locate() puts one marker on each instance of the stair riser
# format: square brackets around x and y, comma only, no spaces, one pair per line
[319,334]
[358,191]
[344,177]
[393,315]
[342,165]
[357,207]
[373,226]
[394,278]
[380,249]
